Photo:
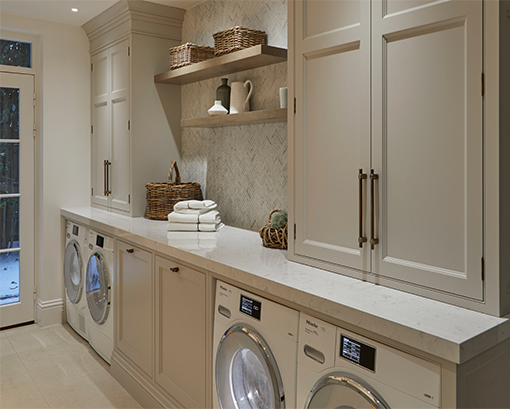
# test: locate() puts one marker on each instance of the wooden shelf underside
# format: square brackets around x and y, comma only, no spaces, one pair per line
[245,118]
[253,57]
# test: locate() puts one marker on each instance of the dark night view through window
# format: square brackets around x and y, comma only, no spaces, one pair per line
[15,53]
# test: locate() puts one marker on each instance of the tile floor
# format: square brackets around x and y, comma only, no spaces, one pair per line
[53,367]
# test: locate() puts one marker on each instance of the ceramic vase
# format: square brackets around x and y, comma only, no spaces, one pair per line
[217,109]
[240,96]
[223,94]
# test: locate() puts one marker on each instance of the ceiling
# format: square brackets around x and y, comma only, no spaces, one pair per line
[59,11]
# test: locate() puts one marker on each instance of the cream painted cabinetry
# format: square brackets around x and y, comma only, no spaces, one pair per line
[135,130]
[181,333]
[134,310]
[387,144]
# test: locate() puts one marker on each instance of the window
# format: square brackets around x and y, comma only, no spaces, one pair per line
[15,53]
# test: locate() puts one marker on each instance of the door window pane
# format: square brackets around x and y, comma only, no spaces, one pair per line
[15,53]
[9,168]
[9,107]
[9,222]
[9,277]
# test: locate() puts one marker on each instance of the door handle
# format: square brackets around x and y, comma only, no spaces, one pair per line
[130,251]
[373,240]
[361,239]
[105,191]
[174,269]
[108,164]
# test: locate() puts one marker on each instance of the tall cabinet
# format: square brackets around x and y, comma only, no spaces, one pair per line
[135,124]
[387,168]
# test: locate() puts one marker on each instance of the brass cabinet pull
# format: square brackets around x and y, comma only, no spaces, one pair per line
[373,178]
[104,178]
[108,191]
[130,251]
[361,239]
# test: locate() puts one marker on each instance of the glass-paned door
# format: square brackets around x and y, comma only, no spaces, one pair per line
[16,198]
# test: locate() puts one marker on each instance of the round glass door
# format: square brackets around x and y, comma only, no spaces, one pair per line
[98,288]
[73,271]
[337,391]
[247,376]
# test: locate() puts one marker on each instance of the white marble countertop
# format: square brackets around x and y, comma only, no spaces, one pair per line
[446,331]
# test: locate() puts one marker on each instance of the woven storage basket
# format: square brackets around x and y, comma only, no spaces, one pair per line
[189,53]
[274,238]
[237,38]
[161,197]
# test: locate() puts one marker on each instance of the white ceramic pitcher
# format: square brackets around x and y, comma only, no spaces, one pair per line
[240,96]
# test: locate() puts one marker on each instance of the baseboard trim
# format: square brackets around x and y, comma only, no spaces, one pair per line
[50,312]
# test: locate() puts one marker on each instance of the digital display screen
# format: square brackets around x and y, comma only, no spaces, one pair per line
[100,241]
[250,307]
[357,352]
[75,229]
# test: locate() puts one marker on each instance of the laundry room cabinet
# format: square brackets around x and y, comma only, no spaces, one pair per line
[134,320]
[181,333]
[386,145]
[135,124]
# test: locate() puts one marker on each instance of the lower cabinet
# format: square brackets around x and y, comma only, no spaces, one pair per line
[134,309]
[181,332]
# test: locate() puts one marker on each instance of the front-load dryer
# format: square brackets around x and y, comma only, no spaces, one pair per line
[75,259]
[341,369]
[99,293]
[255,347]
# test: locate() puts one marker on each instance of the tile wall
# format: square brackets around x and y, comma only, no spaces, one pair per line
[242,168]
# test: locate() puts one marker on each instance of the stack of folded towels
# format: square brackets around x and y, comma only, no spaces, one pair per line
[194,215]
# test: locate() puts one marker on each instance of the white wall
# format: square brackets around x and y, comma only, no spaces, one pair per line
[63,158]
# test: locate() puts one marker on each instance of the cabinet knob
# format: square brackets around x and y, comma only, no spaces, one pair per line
[174,269]
[130,251]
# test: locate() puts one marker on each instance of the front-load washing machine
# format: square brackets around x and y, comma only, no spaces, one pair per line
[255,347]
[341,369]
[75,259]
[99,292]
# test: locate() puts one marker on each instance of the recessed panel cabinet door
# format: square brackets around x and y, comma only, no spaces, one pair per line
[120,168]
[134,309]
[427,143]
[100,127]
[332,129]
[181,336]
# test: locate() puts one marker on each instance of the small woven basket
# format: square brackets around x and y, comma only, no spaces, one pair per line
[161,197]
[237,38]
[189,53]
[274,238]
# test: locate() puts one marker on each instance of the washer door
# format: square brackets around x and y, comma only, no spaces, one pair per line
[247,376]
[338,391]
[98,288]
[73,271]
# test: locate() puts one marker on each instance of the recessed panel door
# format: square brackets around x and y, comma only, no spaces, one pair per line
[17,127]
[427,143]
[332,130]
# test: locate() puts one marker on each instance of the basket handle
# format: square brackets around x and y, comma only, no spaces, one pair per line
[173,165]
[270,214]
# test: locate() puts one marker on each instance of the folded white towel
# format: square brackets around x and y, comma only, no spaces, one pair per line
[211,216]
[195,205]
[194,226]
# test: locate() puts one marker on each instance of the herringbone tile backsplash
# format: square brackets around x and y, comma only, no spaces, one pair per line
[242,168]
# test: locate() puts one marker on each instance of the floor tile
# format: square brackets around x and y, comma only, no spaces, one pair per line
[14,378]
[29,400]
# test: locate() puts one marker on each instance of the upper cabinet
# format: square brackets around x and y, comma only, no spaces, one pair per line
[386,149]
[135,129]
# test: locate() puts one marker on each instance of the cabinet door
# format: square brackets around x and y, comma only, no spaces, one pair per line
[134,308]
[332,129]
[181,332]
[100,136]
[120,114]
[428,143]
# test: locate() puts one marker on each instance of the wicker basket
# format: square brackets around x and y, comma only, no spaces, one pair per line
[237,38]
[189,53]
[274,238]
[161,197]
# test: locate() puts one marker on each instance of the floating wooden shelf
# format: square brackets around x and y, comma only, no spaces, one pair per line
[245,118]
[253,57]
